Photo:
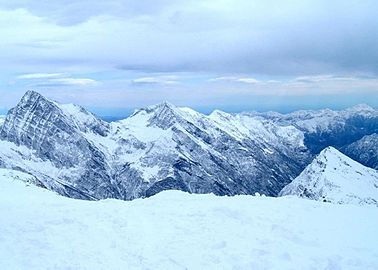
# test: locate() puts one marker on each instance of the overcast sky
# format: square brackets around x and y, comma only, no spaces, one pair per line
[114,55]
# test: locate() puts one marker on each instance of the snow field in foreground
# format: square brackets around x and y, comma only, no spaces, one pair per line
[176,230]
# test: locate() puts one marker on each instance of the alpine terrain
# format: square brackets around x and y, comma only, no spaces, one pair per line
[334,177]
[72,152]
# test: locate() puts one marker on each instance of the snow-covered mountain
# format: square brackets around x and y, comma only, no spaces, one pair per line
[334,177]
[71,151]
[2,119]
[157,148]
[175,230]
[326,127]
[364,150]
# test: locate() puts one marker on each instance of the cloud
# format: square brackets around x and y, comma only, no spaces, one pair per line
[325,78]
[247,80]
[227,49]
[74,81]
[40,76]
[159,80]
[224,37]
[71,12]
[56,79]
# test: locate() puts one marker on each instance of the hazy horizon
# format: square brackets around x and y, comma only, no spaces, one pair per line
[112,114]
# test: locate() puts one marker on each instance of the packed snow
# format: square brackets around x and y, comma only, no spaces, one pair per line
[174,230]
[334,177]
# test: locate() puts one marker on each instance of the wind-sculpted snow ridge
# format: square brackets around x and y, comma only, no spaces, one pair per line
[174,230]
[334,177]
[72,152]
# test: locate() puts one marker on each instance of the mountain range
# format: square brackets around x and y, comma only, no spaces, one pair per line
[76,154]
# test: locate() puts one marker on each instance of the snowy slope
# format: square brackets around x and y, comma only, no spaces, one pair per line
[175,230]
[334,177]
[8,176]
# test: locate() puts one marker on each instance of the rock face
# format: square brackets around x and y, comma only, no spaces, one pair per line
[56,138]
[334,177]
[364,150]
[72,152]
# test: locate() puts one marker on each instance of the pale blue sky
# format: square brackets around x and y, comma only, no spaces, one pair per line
[116,55]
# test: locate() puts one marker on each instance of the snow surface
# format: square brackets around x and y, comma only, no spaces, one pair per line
[334,177]
[174,230]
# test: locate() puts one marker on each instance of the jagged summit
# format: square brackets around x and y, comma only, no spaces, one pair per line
[334,177]
[34,104]
[31,106]
[165,105]
[164,115]
[31,94]
[57,140]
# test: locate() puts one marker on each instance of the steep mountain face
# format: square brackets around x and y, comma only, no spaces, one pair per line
[160,147]
[54,138]
[334,177]
[182,149]
[364,150]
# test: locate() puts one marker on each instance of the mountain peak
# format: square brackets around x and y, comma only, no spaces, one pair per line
[334,177]
[330,151]
[32,96]
[162,115]
[31,93]
[165,105]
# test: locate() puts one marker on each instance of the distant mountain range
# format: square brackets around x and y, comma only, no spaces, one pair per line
[71,151]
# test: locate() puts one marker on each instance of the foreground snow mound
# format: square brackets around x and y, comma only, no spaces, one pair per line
[334,177]
[176,230]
